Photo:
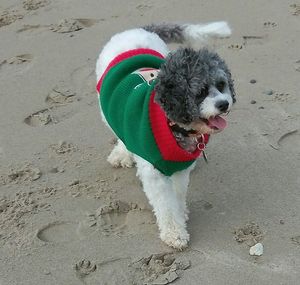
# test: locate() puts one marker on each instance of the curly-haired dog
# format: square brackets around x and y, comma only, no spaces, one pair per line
[163,106]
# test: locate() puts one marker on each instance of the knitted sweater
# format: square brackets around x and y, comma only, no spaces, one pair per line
[126,95]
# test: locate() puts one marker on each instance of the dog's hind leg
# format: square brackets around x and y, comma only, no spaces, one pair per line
[120,156]
[168,206]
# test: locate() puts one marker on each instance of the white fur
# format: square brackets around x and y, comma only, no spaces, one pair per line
[200,31]
[128,40]
[167,195]
[208,106]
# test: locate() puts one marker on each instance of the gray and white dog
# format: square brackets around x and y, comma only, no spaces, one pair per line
[192,88]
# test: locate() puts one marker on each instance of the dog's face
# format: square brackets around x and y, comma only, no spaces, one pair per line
[194,88]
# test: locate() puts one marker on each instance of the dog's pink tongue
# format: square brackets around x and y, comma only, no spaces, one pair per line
[217,122]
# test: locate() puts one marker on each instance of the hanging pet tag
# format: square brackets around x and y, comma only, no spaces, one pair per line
[205,156]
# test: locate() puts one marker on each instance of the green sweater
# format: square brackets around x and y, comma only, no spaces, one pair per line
[126,95]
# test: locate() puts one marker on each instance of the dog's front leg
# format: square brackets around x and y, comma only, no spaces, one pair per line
[168,205]
[120,156]
[181,181]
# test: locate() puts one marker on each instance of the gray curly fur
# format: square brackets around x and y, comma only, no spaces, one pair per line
[183,81]
[170,33]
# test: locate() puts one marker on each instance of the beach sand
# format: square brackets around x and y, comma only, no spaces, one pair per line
[68,217]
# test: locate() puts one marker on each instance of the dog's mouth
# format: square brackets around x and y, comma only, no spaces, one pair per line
[216,123]
[202,126]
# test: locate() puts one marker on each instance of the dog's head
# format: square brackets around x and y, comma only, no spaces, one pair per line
[194,88]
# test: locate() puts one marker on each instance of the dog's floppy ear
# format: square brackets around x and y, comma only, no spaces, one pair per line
[229,80]
[231,85]
[175,82]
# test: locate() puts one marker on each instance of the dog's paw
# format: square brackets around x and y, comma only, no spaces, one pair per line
[175,239]
[120,157]
[186,216]
[186,213]
[118,161]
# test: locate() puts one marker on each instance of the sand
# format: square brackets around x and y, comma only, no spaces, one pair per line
[67,217]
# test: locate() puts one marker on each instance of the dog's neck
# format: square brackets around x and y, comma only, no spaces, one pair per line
[185,139]
[177,129]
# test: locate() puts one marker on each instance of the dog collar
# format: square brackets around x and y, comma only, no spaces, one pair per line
[201,142]
[176,128]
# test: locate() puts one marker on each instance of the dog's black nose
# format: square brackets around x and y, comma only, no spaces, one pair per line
[222,105]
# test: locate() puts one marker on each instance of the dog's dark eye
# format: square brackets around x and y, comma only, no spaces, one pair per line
[203,92]
[220,86]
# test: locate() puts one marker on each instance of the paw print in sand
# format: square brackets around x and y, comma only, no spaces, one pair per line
[85,267]
[270,24]
[161,268]
[295,9]
[235,46]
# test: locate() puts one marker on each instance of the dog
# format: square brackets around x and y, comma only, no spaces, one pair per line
[163,106]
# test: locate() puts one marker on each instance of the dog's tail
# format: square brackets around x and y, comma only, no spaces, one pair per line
[174,33]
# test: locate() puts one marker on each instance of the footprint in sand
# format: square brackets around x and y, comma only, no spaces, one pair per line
[29,28]
[162,268]
[8,17]
[282,97]
[108,220]
[248,40]
[297,65]
[143,8]
[112,218]
[26,173]
[117,218]
[60,94]
[296,240]
[58,232]
[113,271]
[34,4]
[40,118]
[120,218]
[201,204]
[295,9]
[289,140]
[235,46]
[72,25]
[57,99]
[270,24]
[49,116]
[250,233]
[17,60]
[84,268]
[63,26]
[63,147]
[16,211]
[255,40]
